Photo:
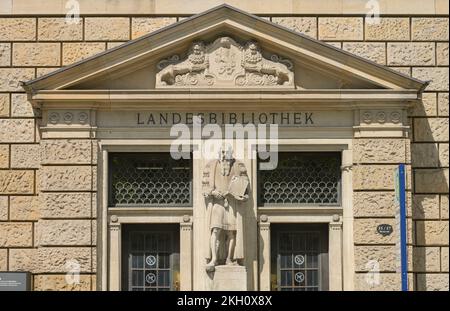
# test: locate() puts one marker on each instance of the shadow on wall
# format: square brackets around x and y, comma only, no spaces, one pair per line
[429,182]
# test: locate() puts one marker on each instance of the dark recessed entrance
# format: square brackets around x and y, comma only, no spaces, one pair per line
[151,257]
[299,257]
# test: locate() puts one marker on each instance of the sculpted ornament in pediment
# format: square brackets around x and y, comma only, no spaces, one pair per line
[225,63]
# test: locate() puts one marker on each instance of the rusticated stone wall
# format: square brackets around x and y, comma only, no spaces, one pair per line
[39,233]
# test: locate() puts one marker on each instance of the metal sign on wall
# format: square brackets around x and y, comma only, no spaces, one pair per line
[15,281]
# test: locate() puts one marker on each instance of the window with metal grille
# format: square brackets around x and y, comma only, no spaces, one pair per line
[302,178]
[149,179]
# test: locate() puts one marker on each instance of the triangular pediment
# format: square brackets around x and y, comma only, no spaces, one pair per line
[223,48]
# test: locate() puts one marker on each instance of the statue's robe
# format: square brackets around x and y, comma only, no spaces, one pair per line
[235,207]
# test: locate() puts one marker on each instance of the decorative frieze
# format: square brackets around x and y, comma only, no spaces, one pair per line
[379,117]
[75,117]
[225,63]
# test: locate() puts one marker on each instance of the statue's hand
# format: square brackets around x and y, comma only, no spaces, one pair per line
[242,198]
[217,194]
[206,194]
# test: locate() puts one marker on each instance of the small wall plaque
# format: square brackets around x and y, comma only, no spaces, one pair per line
[384,229]
[15,281]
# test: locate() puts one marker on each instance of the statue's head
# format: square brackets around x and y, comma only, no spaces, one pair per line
[253,48]
[252,52]
[197,53]
[226,158]
[198,48]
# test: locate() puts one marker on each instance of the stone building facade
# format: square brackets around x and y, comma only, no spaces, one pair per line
[58,133]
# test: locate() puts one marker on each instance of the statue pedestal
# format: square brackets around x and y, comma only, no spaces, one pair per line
[228,278]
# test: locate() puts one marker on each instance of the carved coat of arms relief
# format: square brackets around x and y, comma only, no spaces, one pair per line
[224,63]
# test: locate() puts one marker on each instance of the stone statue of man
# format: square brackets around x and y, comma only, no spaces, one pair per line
[225,184]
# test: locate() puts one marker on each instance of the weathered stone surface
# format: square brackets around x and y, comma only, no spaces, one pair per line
[64,232]
[410,54]
[14,234]
[49,259]
[20,106]
[95,151]
[304,25]
[94,259]
[16,130]
[374,204]
[442,54]
[5,54]
[444,259]
[373,177]
[17,29]
[60,283]
[145,25]
[381,282]
[404,70]
[94,178]
[4,156]
[443,104]
[424,155]
[374,51]
[340,28]
[437,75]
[426,107]
[24,207]
[365,231]
[431,129]
[111,45]
[10,78]
[386,256]
[107,28]
[335,44]
[66,151]
[43,71]
[60,178]
[4,105]
[93,281]
[426,259]
[431,180]
[25,156]
[36,54]
[425,206]
[444,206]
[429,29]
[395,29]
[3,208]
[443,155]
[74,52]
[94,232]
[432,232]
[57,29]
[432,282]
[3,259]
[94,205]
[16,182]
[379,150]
[66,205]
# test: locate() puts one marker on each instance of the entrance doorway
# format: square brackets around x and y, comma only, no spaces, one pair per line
[151,257]
[299,257]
